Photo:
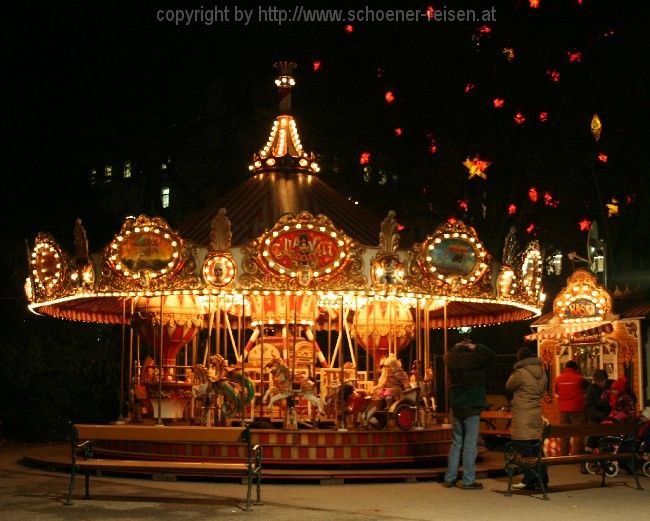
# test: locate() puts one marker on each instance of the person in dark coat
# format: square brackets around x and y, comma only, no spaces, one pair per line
[466,363]
[527,383]
[597,403]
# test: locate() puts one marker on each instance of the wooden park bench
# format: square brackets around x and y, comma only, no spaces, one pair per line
[517,455]
[84,460]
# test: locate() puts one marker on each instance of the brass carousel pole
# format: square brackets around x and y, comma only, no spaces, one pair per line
[131,397]
[341,426]
[122,368]
[445,348]
[159,422]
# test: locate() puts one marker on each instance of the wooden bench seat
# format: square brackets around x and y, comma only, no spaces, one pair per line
[83,438]
[517,456]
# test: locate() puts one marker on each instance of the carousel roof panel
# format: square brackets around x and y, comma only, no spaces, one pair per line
[257,204]
[460,313]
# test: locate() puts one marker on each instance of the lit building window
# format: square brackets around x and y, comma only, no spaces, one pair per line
[108,173]
[127,169]
[93,176]
[164,196]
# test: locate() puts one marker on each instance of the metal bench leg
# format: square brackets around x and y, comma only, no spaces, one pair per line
[510,472]
[636,477]
[87,485]
[68,500]
[259,501]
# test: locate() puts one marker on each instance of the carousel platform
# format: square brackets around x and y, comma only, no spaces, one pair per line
[318,455]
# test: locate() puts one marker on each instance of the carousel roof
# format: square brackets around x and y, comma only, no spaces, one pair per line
[258,203]
[283,236]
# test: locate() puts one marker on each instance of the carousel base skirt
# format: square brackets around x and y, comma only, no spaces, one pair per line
[300,449]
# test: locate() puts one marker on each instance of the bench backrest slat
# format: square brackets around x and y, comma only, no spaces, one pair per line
[601,429]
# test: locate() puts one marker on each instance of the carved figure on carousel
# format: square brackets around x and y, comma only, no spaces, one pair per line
[283,385]
[233,389]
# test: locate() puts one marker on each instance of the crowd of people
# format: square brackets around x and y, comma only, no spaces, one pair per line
[579,401]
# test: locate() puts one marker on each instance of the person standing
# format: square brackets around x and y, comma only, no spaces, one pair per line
[466,363]
[569,389]
[527,383]
[597,403]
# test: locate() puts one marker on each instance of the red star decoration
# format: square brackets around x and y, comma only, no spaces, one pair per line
[469,87]
[498,103]
[398,131]
[349,28]
[462,204]
[534,4]
[519,118]
[512,209]
[574,56]
[532,194]
[602,157]
[585,225]
[543,116]
[390,97]
[531,229]
[364,159]
[316,66]
[554,75]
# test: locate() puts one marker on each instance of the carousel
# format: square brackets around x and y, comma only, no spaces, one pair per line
[286,307]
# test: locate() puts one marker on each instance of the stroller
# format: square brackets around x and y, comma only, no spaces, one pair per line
[639,443]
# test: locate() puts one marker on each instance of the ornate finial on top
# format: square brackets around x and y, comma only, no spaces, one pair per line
[283,150]
[284,82]
[80,241]
[388,236]
[220,234]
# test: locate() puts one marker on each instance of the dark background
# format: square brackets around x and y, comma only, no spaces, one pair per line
[88,84]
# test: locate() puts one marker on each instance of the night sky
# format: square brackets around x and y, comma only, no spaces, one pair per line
[89,84]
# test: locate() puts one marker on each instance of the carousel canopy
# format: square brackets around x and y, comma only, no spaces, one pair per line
[298,241]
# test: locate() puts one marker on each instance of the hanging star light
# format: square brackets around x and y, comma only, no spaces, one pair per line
[602,157]
[476,167]
[534,4]
[509,53]
[596,127]
[512,208]
[498,103]
[463,204]
[469,87]
[519,118]
[316,65]
[612,207]
[364,158]
[585,225]
[531,229]
[543,116]
[553,75]
[390,97]
[398,131]
[574,56]
[532,194]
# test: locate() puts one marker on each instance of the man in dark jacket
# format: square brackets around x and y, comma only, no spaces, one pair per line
[597,406]
[466,363]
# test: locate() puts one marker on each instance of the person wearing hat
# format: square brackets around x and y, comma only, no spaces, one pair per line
[466,363]
[527,384]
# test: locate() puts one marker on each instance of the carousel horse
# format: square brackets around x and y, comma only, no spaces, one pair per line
[235,387]
[283,385]
[354,401]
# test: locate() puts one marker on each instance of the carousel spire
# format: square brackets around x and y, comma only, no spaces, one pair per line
[283,151]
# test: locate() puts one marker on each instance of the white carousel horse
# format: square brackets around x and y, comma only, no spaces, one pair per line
[283,385]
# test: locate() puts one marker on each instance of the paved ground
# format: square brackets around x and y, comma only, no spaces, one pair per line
[34,494]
